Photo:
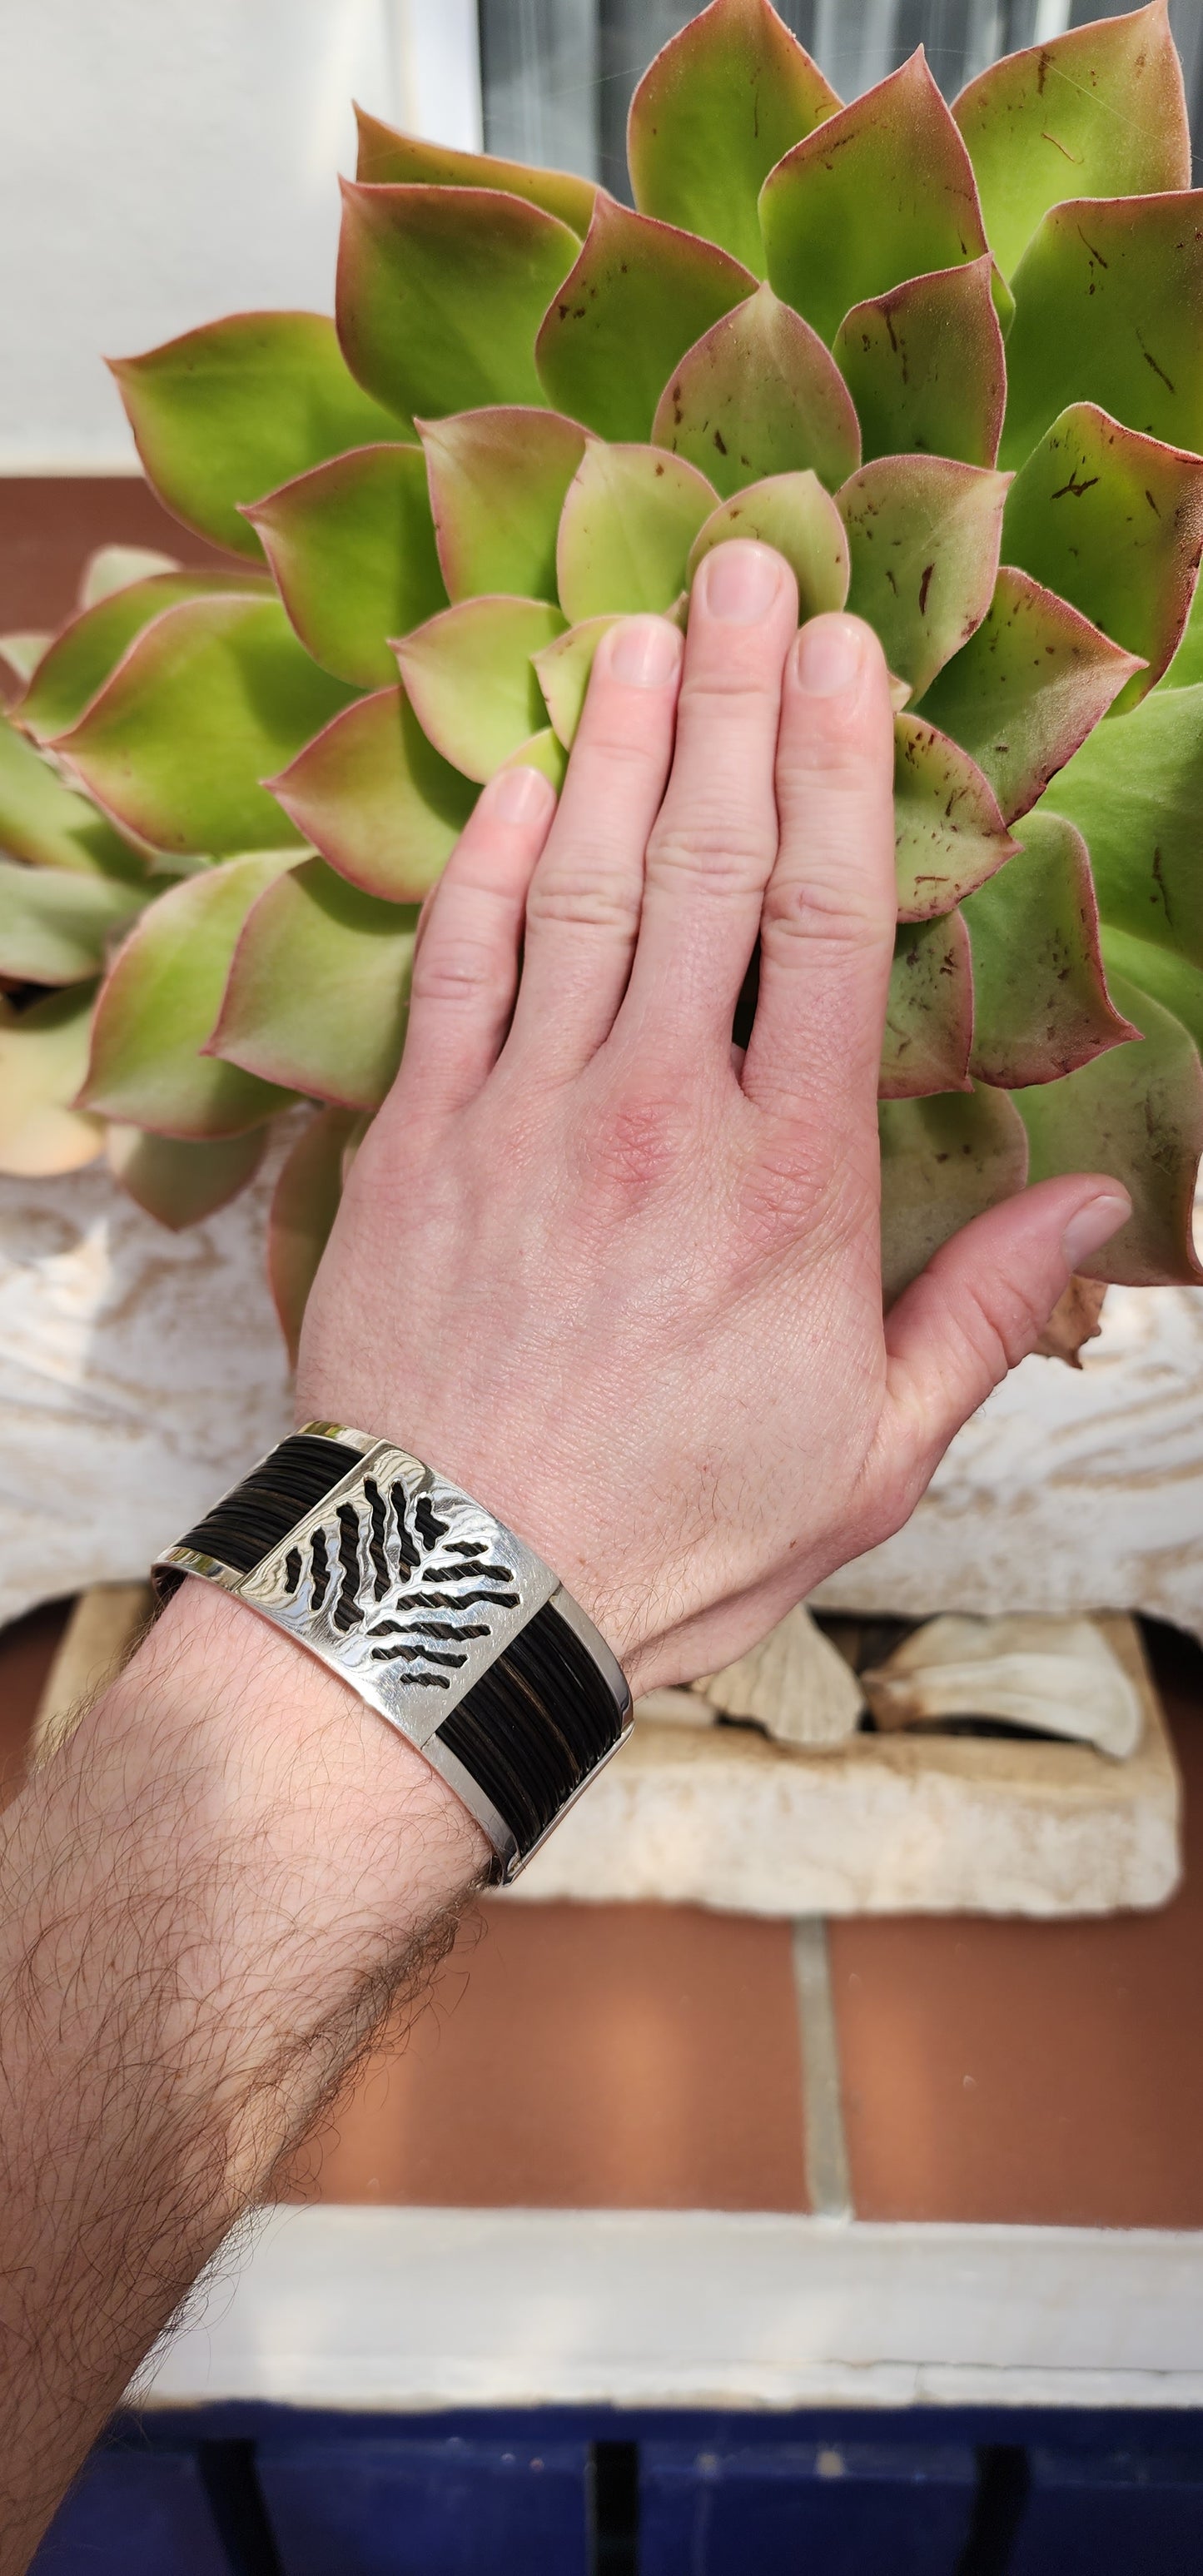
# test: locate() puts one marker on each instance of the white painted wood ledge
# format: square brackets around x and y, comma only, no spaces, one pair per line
[418,2308]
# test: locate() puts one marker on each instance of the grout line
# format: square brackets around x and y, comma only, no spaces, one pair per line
[825,2146]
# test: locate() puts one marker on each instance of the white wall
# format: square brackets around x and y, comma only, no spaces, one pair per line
[165,161]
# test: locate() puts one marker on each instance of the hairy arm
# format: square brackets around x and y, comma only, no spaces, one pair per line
[621,1285]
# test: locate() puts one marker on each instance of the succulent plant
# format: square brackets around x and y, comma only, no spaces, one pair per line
[881,337]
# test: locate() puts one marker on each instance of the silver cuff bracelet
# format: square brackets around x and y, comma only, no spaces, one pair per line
[446,1624]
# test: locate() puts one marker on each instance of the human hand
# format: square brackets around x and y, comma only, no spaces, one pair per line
[619,1283]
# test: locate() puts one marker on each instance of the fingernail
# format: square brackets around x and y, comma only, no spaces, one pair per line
[644,652]
[521,795]
[741,581]
[828,655]
[1094,1225]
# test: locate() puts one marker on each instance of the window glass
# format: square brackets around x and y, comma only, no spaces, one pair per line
[558,74]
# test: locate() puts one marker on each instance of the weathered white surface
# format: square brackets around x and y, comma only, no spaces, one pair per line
[525,2307]
[885,1824]
[1070,1490]
[794,1682]
[141,1371]
[1058,1675]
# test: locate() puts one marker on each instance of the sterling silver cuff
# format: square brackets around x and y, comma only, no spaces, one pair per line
[449,1626]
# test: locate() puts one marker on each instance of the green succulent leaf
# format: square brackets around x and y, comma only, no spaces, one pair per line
[441,291]
[229,412]
[1027,688]
[497,484]
[943,1162]
[43,1053]
[177,1181]
[759,394]
[563,670]
[48,825]
[1109,308]
[1173,982]
[716,109]
[1135,791]
[925,368]
[1136,1113]
[55,928]
[1099,111]
[22,651]
[880,193]
[629,520]
[209,700]
[304,1207]
[470,679]
[319,988]
[377,799]
[389,157]
[159,1004]
[640,295]
[949,835]
[1043,1008]
[793,513]
[542,751]
[1186,667]
[1114,523]
[85,653]
[929,1013]
[110,568]
[923,538]
[352,548]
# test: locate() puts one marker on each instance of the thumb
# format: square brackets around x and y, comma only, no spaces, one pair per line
[983,1302]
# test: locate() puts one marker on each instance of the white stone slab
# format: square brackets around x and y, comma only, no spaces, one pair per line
[884,1824]
[140,1371]
[417,2308]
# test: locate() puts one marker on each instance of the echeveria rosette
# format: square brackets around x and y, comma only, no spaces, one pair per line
[880,337]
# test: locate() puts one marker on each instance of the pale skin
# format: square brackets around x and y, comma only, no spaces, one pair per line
[619,1282]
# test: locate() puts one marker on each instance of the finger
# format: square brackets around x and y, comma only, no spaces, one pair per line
[465,965]
[827,930]
[582,913]
[713,846]
[981,1305]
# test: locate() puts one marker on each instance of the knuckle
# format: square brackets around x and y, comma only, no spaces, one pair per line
[733,680]
[455,970]
[583,897]
[731,850]
[827,913]
[638,1146]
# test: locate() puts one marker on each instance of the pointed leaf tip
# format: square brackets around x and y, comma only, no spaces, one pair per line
[441,291]
[923,536]
[637,298]
[389,157]
[1042,1005]
[1027,688]
[228,412]
[470,679]
[1113,522]
[821,208]
[307,944]
[498,478]
[1098,112]
[759,394]
[352,548]
[629,520]
[925,368]
[376,798]
[719,106]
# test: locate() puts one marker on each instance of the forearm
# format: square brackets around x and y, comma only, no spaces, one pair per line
[211,1899]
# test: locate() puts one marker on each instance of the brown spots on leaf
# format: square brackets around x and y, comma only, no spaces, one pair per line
[1063,148]
[890,578]
[924,587]
[1089,245]
[1152,504]
[1042,72]
[720,442]
[1150,361]
[1075,487]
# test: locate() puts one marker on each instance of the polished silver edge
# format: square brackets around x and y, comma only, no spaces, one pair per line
[470,1794]
[595,1645]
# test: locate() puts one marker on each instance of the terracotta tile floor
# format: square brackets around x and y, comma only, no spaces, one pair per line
[646,2056]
